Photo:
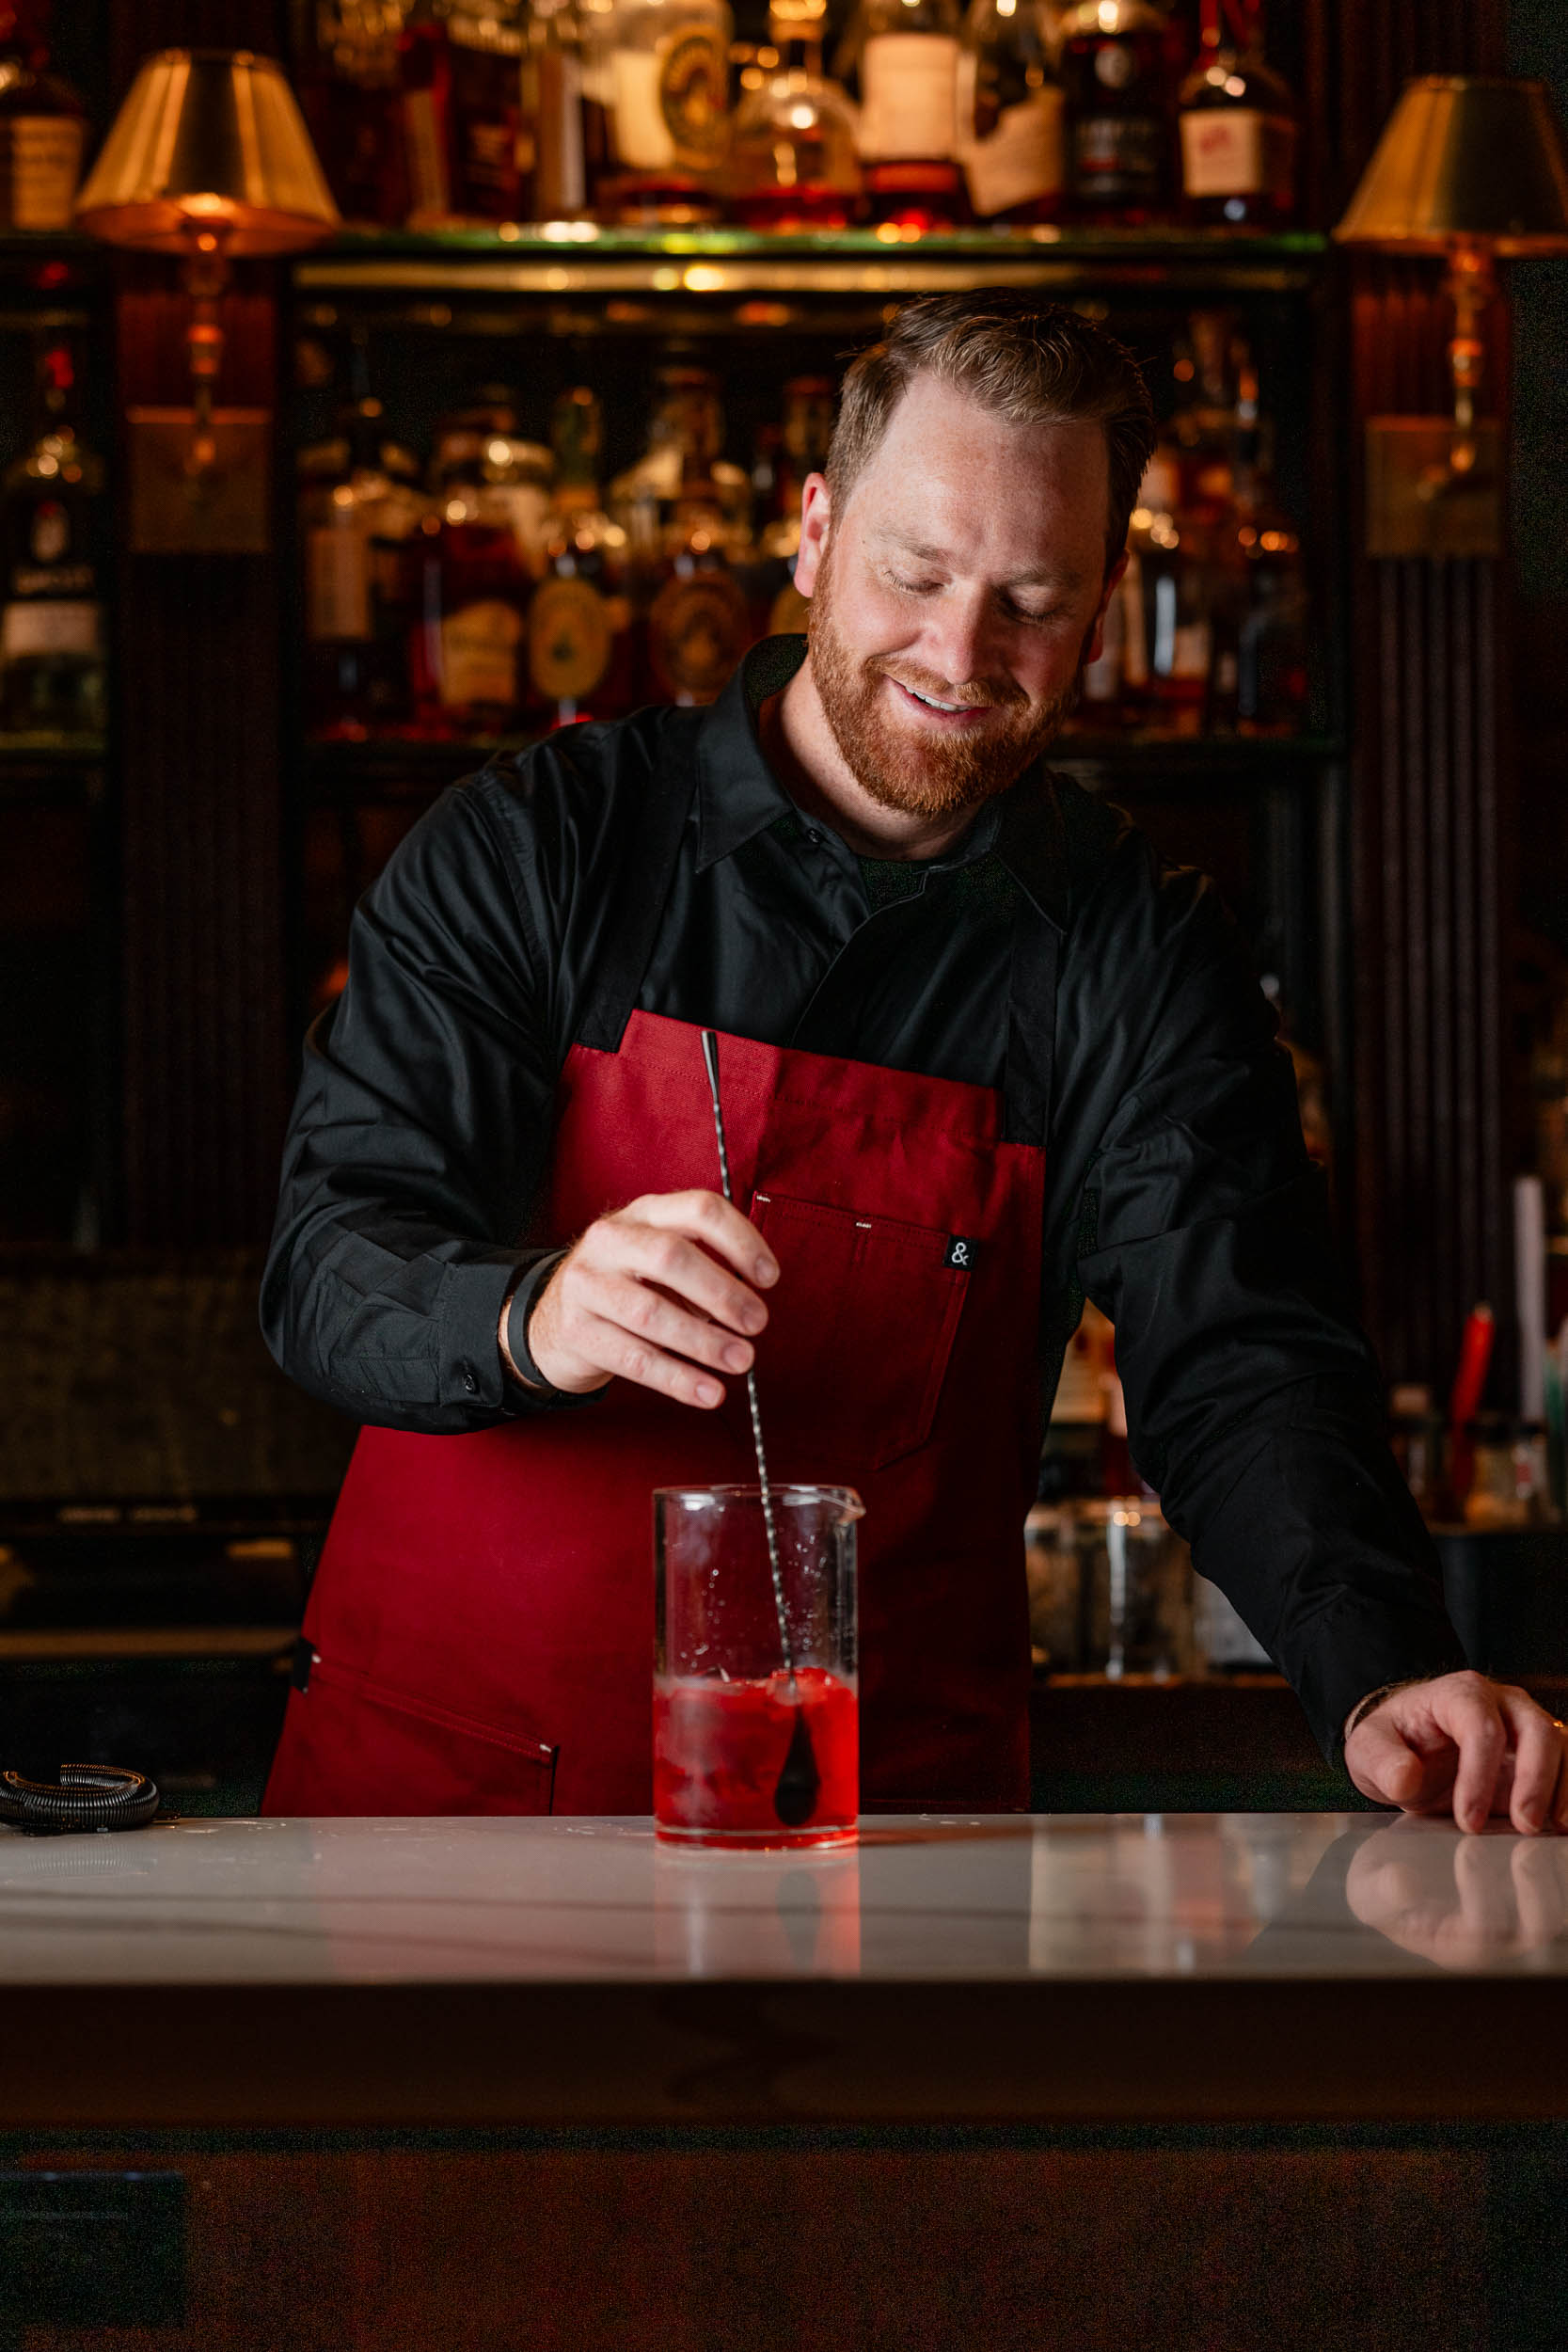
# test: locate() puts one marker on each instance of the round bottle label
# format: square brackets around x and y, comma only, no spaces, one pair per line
[693,88]
[1114,67]
[697,633]
[568,640]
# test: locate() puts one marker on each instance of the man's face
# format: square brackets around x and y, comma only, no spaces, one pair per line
[956,598]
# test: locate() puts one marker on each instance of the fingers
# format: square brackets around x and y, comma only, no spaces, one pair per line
[1381,1763]
[708,1219]
[1538,1760]
[1467,1708]
[646,1314]
[664,1255]
[628,1358]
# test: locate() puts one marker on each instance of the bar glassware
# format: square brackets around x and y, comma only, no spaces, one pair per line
[724,1700]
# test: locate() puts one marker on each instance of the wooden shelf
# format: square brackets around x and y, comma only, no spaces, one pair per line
[568,257]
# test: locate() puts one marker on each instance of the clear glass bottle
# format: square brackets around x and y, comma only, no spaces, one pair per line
[661,73]
[1237,125]
[566,122]
[52,667]
[698,625]
[1173,575]
[900,57]
[793,164]
[579,623]
[42,129]
[1010,111]
[477,571]
[361,510]
[350,89]
[1115,75]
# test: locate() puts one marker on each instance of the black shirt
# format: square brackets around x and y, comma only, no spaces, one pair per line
[1179,1196]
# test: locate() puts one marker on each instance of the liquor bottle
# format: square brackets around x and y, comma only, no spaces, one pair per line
[1173,573]
[52,677]
[556,95]
[477,572]
[778,608]
[1237,124]
[1272,666]
[1116,85]
[579,623]
[660,71]
[685,410]
[469,144]
[902,55]
[361,510]
[43,127]
[698,624]
[1010,111]
[792,157]
[349,88]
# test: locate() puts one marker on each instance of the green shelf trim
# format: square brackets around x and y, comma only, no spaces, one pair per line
[562,238]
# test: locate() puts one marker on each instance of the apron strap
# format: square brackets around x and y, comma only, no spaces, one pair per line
[641,888]
[1031,1026]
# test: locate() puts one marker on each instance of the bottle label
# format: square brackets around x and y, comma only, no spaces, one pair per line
[52,626]
[43,154]
[1021,160]
[569,640]
[1114,66]
[337,585]
[696,634]
[1237,150]
[479,655]
[909,109]
[669,102]
[1118,154]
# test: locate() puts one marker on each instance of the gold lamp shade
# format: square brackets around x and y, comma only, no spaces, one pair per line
[1465,160]
[208,147]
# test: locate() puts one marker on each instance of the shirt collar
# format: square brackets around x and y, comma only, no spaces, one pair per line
[738,796]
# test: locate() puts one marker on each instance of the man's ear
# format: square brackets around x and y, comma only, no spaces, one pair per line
[816,517]
[1112,581]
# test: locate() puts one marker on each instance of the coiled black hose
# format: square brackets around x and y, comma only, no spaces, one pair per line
[85,1796]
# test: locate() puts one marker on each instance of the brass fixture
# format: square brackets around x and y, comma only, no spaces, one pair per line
[1475,169]
[209,159]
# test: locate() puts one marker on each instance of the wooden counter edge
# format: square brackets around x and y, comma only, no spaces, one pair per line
[829,2052]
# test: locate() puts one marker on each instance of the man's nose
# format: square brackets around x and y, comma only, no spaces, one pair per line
[957,642]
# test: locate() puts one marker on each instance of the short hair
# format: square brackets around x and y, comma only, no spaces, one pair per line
[1029,361]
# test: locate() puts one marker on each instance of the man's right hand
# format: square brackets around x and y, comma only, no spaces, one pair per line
[649,1295]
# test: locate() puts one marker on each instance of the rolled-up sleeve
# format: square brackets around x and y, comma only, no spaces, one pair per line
[1200,1227]
[416,1143]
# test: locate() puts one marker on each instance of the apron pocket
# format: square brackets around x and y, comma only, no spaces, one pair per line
[374,1750]
[861,1326]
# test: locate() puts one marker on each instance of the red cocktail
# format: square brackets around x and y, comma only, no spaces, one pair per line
[719,1747]
[746,1751]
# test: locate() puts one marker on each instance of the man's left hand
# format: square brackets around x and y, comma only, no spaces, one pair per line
[1481,1748]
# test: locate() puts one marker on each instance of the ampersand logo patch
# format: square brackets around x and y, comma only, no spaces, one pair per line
[961,1252]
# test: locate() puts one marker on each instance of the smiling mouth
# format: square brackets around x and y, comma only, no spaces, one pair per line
[931,702]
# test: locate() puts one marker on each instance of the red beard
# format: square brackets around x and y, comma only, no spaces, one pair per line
[942,777]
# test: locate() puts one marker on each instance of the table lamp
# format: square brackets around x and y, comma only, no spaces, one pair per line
[1474,170]
[208,158]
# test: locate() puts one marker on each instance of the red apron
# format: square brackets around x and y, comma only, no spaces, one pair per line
[480,1633]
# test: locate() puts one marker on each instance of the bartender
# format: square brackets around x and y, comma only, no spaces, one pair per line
[982,1056]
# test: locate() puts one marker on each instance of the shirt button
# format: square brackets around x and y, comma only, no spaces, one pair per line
[469,1382]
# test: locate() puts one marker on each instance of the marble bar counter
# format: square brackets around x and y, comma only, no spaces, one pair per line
[1064,1971]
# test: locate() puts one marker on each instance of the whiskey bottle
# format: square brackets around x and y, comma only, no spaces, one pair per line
[424,73]
[42,126]
[361,510]
[52,678]
[478,572]
[660,71]
[1010,111]
[349,88]
[792,158]
[579,623]
[1114,75]
[1173,557]
[1236,121]
[490,136]
[903,57]
[698,624]
[557,96]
